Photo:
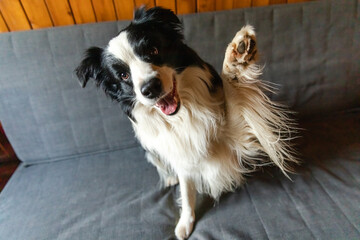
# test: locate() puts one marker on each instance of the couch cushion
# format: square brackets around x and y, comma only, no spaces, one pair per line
[115,196]
[46,115]
[311,50]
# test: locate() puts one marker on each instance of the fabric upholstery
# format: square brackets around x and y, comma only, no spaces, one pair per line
[84,175]
[310,51]
[115,195]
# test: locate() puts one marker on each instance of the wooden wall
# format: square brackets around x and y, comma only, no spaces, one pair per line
[33,14]
[8,159]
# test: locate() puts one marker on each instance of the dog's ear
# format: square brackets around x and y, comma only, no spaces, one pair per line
[164,18]
[90,66]
[139,13]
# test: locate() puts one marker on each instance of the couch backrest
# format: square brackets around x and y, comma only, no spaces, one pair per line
[311,50]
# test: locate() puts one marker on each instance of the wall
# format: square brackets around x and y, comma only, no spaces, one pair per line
[18,15]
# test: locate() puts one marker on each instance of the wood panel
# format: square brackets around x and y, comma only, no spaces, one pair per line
[277,1]
[33,14]
[8,159]
[14,15]
[124,9]
[104,10]
[242,3]
[185,6]
[3,26]
[260,3]
[297,1]
[83,11]
[60,12]
[147,3]
[224,5]
[169,4]
[37,13]
[6,170]
[206,5]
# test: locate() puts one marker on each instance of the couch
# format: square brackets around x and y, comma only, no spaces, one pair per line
[83,174]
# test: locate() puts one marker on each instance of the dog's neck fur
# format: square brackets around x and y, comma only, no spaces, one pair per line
[184,138]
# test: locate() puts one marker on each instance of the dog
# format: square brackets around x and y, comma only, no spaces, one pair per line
[200,129]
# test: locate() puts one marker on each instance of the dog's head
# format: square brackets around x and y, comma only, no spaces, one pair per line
[140,64]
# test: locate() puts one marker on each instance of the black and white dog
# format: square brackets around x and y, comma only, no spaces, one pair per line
[201,130]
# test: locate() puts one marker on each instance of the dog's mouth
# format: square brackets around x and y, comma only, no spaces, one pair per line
[170,103]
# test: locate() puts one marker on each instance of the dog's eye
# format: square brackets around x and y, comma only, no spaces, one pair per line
[124,76]
[153,51]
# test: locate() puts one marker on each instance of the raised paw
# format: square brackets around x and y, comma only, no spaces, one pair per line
[185,226]
[242,50]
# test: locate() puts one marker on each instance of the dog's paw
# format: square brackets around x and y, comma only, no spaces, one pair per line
[185,226]
[171,181]
[242,50]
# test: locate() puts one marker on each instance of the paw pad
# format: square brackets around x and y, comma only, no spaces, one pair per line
[242,50]
[245,51]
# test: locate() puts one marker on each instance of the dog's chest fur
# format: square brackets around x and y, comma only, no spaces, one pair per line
[186,142]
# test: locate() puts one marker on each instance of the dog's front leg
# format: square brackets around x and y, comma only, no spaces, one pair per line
[187,218]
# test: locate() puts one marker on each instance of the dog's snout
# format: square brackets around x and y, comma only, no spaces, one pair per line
[152,88]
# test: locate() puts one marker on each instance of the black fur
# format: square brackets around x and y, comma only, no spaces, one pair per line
[106,70]
[160,28]
[156,28]
[90,66]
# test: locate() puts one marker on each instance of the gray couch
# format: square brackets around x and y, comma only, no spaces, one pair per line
[83,174]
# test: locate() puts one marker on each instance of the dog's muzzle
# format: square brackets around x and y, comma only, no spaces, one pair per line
[168,103]
[152,89]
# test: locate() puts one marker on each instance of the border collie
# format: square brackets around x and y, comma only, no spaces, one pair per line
[199,129]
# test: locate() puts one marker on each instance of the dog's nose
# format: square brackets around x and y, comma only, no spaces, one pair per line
[152,88]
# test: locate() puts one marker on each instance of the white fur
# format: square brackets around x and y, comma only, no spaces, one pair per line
[140,71]
[215,138]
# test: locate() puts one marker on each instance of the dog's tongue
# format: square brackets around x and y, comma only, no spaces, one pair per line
[168,104]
